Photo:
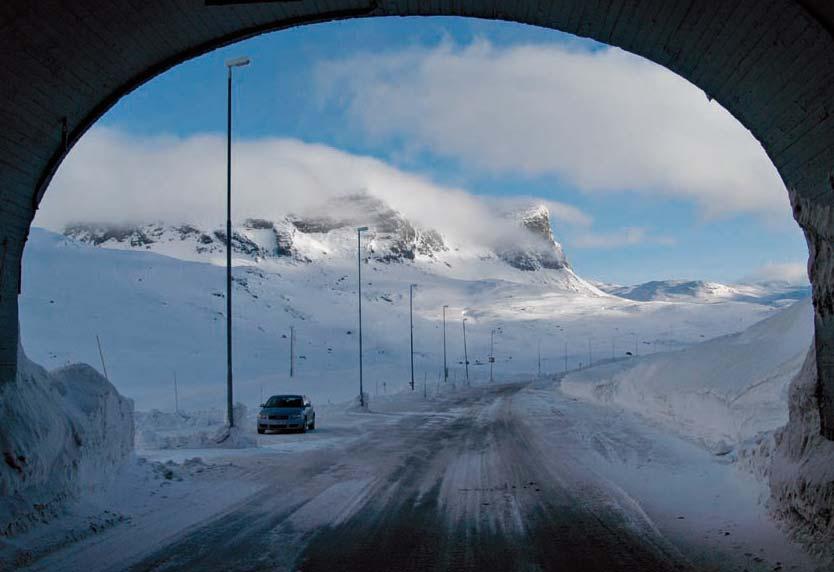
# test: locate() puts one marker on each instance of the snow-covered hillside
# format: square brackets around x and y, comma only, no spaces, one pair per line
[154,294]
[721,391]
[774,293]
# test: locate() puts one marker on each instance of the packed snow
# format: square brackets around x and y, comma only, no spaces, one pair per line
[206,429]
[634,479]
[721,391]
[64,432]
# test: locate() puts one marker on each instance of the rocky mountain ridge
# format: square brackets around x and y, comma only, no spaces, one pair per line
[392,238]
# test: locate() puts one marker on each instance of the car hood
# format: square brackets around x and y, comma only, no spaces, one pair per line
[282,410]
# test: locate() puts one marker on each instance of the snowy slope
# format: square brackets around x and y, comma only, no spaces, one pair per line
[157,315]
[721,391]
[709,292]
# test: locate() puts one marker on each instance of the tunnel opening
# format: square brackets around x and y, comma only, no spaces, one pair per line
[801,209]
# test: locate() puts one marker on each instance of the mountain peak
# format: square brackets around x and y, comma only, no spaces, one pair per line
[536,248]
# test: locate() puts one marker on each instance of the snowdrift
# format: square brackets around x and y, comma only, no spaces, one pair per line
[720,392]
[63,432]
[801,470]
[193,430]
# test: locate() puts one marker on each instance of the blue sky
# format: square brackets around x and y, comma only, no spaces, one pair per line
[681,224]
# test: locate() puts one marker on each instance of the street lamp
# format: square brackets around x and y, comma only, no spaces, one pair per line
[411,327]
[491,353]
[465,355]
[359,232]
[539,361]
[445,367]
[234,63]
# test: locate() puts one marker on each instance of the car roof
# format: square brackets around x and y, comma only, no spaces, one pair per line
[292,395]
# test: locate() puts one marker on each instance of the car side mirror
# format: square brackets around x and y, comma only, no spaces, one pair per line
[262,405]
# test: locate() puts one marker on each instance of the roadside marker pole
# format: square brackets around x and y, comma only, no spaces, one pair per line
[101,356]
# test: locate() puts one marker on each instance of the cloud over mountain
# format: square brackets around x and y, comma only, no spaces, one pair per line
[117,178]
[602,120]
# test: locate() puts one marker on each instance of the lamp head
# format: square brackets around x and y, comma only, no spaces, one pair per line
[362,229]
[238,62]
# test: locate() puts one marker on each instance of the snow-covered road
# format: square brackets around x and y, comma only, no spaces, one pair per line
[498,477]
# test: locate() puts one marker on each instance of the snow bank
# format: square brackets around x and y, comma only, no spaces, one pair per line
[802,467]
[720,392]
[63,432]
[193,430]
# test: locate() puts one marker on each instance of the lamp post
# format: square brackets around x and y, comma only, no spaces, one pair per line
[411,327]
[234,63]
[465,355]
[445,367]
[292,351]
[590,360]
[539,362]
[491,353]
[359,232]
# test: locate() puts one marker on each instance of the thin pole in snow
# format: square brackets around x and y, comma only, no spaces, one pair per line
[101,356]
[465,354]
[540,358]
[590,361]
[359,232]
[176,395]
[411,330]
[491,353]
[292,351]
[445,367]
[566,357]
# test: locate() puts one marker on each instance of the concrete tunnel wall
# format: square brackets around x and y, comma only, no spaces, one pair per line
[769,62]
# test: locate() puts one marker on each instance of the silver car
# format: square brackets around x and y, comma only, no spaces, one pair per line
[282,412]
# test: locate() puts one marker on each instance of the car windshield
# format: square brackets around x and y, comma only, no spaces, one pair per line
[284,401]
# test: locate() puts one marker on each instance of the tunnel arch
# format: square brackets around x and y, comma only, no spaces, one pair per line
[769,62]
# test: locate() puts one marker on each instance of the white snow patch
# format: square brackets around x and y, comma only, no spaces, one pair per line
[720,392]
[64,432]
[194,430]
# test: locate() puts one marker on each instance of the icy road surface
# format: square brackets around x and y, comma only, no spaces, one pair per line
[500,477]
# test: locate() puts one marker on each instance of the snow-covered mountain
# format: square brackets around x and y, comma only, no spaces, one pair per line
[779,294]
[155,296]
[328,235]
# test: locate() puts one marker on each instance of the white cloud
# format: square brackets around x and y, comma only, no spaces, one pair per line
[603,121]
[790,272]
[629,236]
[114,177]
